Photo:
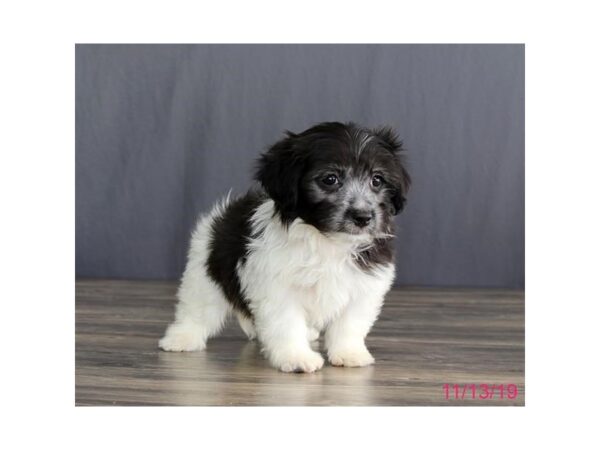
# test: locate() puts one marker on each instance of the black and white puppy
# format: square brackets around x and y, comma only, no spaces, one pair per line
[310,250]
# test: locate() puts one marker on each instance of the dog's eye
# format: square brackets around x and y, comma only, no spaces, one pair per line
[330,179]
[377,181]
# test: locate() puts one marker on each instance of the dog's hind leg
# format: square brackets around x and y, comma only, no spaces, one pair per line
[313,334]
[200,314]
[247,326]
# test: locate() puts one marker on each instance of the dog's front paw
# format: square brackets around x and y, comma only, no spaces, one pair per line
[351,357]
[181,338]
[299,361]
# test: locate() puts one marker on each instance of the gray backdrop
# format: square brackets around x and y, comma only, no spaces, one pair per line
[162,131]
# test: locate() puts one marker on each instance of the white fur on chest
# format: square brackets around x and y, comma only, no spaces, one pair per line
[300,264]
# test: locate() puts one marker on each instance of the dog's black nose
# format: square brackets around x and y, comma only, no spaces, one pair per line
[360,217]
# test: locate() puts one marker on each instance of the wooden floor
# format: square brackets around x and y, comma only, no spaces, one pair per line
[423,339]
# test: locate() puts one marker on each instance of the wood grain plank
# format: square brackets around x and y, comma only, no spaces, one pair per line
[423,339]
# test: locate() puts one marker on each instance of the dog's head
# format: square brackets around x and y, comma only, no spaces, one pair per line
[337,177]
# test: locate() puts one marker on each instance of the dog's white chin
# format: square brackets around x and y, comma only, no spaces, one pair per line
[352,238]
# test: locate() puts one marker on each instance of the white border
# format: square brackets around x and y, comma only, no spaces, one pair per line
[37,186]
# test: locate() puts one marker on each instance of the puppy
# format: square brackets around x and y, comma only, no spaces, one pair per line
[309,250]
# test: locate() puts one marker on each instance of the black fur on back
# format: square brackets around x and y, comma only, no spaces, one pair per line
[228,245]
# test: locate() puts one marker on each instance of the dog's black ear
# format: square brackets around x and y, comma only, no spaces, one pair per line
[279,171]
[401,178]
[401,188]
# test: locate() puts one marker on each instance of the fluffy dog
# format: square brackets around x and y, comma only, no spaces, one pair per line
[309,250]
